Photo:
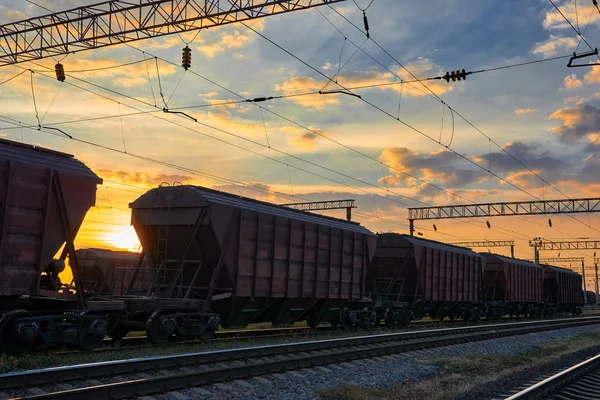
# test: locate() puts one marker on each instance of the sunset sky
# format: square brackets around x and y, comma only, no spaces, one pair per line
[382,150]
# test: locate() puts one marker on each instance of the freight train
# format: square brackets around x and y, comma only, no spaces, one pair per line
[211,258]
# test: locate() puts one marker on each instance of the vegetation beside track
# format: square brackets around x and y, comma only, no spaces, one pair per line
[459,375]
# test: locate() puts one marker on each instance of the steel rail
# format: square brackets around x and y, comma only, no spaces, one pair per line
[303,357]
[333,351]
[551,384]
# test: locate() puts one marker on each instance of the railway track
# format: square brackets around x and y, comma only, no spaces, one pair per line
[130,378]
[136,342]
[581,381]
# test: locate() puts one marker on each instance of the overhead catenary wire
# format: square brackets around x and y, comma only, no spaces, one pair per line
[114,100]
[502,148]
[204,174]
[136,99]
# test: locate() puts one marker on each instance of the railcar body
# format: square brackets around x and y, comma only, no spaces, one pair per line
[411,278]
[114,273]
[563,291]
[512,286]
[44,197]
[247,261]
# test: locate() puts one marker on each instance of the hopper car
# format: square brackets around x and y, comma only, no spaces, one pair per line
[211,259]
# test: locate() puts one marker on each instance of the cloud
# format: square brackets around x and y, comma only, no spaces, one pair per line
[524,110]
[451,171]
[301,138]
[571,82]
[234,40]
[577,122]
[360,80]
[593,76]
[554,20]
[444,167]
[145,180]
[553,45]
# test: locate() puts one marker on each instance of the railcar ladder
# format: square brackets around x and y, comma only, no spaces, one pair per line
[161,258]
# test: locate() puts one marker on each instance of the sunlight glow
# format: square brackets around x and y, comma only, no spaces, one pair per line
[122,237]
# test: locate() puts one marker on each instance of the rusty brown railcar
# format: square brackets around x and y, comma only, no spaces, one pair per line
[563,290]
[113,273]
[249,260]
[412,278]
[512,286]
[44,197]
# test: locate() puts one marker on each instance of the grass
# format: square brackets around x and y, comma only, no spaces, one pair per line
[460,375]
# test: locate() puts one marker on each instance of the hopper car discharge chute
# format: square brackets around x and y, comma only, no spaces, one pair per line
[44,197]
[233,261]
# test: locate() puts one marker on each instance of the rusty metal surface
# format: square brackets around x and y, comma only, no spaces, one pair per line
[252,257]
[427,270]
[563,285]
[110,272]
[31,222]
[512,280]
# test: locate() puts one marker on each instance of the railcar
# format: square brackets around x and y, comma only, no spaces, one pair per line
[44,197]
[411,278]
[113,273]
[512,286]
[562,291]
[237,260]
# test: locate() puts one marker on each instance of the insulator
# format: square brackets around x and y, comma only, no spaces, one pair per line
[488,224]
[434,227]
[549,222]
[186,58]
[366,22]
[464,75]
[60,72]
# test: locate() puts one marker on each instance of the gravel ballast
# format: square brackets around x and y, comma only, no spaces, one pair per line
[380,372]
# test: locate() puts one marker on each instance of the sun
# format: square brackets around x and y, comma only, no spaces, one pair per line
[122,237]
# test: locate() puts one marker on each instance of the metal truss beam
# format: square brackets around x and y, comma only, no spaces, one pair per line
[571,206]
[562,259]
[541,244]
[489,243]
[121,21]
[325,205]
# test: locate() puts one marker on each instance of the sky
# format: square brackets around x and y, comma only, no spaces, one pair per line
[513,134]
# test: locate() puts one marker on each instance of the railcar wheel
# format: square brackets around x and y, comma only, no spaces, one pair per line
[9,342]
[348,319]
[155,331]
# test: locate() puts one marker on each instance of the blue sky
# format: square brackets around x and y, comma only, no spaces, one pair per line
[547,115]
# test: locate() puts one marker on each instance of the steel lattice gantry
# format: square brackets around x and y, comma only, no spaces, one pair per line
[569,206]
[489,243]
[325,205]
[120,21]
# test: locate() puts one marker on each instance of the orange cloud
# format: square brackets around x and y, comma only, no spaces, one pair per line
[357,80]
[524,110]
[234,40]
[553,45]
[572,82]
